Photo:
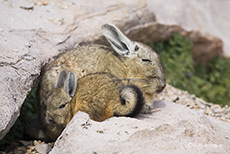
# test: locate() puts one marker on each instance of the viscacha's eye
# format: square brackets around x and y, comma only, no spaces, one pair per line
[146,60]
[62,106]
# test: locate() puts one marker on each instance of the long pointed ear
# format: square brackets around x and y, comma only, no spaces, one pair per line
[70,84]
[120,43]
[61,79]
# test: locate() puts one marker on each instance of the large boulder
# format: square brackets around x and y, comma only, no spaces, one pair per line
[170,128]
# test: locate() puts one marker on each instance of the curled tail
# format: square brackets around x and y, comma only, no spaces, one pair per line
[131,101]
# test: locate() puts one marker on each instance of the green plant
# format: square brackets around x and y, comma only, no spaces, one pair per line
[29,111]
[211,82]
[217,74]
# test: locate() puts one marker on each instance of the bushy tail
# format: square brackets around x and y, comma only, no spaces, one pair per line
[132,101]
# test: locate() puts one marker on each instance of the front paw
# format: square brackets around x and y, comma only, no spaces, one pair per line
[146,108]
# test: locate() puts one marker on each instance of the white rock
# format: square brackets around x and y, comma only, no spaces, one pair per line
[171,128]
[43,148]
[208,17]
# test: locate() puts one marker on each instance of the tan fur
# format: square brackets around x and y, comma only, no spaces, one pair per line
[149,76]
[54,118]
[132,62]
[97,94]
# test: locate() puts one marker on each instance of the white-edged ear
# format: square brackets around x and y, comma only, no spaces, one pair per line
[70,84]
[120,43]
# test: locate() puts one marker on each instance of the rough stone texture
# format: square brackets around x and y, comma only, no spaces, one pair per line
[33,31]
[43,148]
[207,17]
[192,102]
[206,47]
[170,128]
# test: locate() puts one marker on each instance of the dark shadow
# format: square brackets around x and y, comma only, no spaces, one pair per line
[156,107]
[159,104]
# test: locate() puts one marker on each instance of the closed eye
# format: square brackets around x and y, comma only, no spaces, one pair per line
[146,60]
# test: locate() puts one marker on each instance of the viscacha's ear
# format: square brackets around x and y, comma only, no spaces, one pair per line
[70,85]
[61,79]
[120,43]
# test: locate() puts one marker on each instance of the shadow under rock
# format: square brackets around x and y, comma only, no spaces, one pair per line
[157,105]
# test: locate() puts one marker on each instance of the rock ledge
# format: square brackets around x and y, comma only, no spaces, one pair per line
[170,128]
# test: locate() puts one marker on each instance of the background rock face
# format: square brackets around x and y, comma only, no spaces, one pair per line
[206,47]
[170,128]
[208,17]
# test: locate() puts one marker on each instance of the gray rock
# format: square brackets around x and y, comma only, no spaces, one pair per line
[32,32]
[170,128]
[43,148]
[207,17]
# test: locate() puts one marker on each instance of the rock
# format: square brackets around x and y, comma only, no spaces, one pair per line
[206,47]
[191,101]
[207,17]
[41,30]
[170,128]
[33,32]
[43,148]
